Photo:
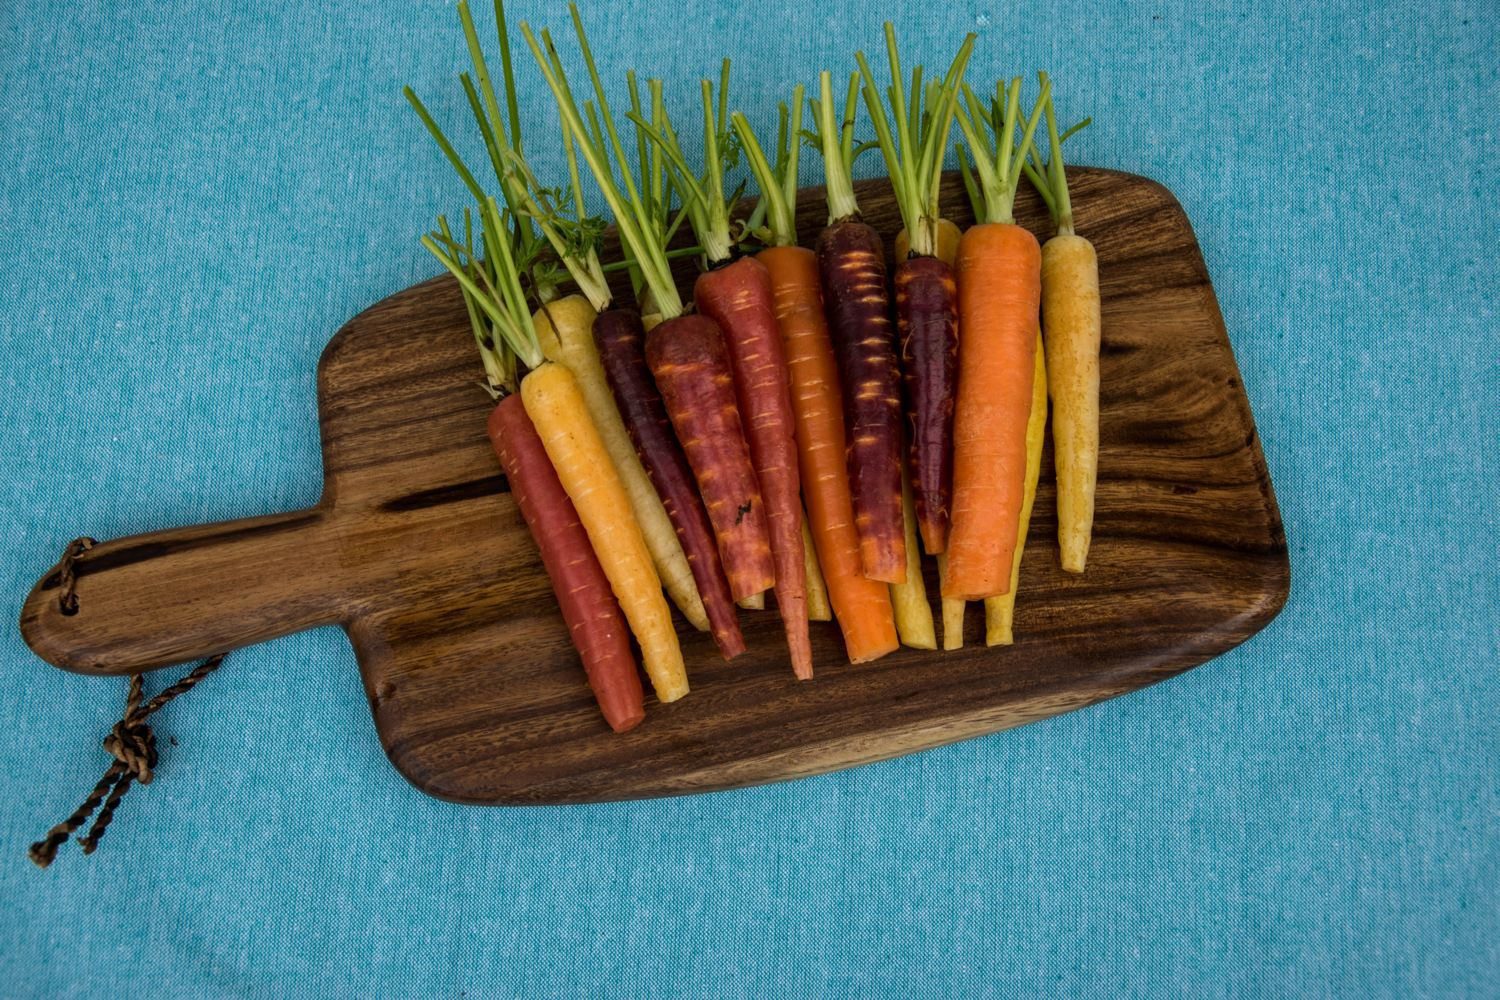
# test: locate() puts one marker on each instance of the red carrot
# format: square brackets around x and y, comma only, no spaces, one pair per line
[583,592]
[927,318]
[851,263]
[738,298]
[687,356]
[621,341]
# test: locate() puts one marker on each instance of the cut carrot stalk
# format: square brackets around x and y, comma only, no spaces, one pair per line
[755,602]
[999,272]
[1071,326]
[1000,612]
[926,293]
[851,265]
[621,340]
[736,295]
[861,606]
[588,608]
[946,235]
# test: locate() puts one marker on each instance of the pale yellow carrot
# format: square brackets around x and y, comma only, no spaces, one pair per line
[999,612]
[818,608]
[909,599]
[565,330]
[1071,327]
[556,406]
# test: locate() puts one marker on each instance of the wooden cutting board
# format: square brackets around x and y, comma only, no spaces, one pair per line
[417,550]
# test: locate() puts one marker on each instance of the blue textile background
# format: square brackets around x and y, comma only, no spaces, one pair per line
[195,195]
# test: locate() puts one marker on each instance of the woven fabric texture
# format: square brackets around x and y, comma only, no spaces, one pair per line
[193,197]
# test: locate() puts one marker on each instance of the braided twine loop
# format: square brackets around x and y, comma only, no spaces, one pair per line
[130,742]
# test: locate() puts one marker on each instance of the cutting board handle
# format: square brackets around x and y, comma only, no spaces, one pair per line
[186,593]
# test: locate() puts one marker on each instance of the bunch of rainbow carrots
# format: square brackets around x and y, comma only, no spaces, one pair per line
[806,423]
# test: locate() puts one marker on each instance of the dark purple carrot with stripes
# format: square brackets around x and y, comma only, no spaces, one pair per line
[621,341]
[691,365]
[851,264]
[926,291]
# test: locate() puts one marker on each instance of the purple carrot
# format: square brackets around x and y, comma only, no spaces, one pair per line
[851,263]
[927,318]
[621,340]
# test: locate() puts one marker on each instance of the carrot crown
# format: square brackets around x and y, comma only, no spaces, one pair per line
[708,208]
[530,206]
[778,184]
[637,217]
[991,138]
[1051,181]
[914,153]
[492,287]
[836,140]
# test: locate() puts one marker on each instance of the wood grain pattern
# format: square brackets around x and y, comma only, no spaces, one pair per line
[417,550]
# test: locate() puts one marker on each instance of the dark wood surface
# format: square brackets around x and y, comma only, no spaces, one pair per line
[418,551]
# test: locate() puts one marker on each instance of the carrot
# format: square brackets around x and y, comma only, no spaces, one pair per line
[944,239]
[861,606]
[686,353]
[851,266]
[818,608]
[556,406]
[909,597]
[926,294]
[1071,327]
[999,612]
[736,295]
[691,365]
[621,340]
[564,328]
[947,236]
[582,590]
[999,277]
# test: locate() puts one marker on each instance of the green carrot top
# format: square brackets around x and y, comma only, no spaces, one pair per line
[638,217]
[836,141]
[778,184]
[530,207]
[991,139]
[914,152]
[1051,181]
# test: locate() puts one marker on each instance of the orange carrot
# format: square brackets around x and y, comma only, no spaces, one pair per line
[862,606]
[1000,288]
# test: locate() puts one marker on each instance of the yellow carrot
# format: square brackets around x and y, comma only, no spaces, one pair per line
[999,612]
[564,328]
[818,608]
[1071,328]
[556,406]
[953,610]
[909,599]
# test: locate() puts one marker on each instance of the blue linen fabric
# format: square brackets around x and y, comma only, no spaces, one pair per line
[195,195]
